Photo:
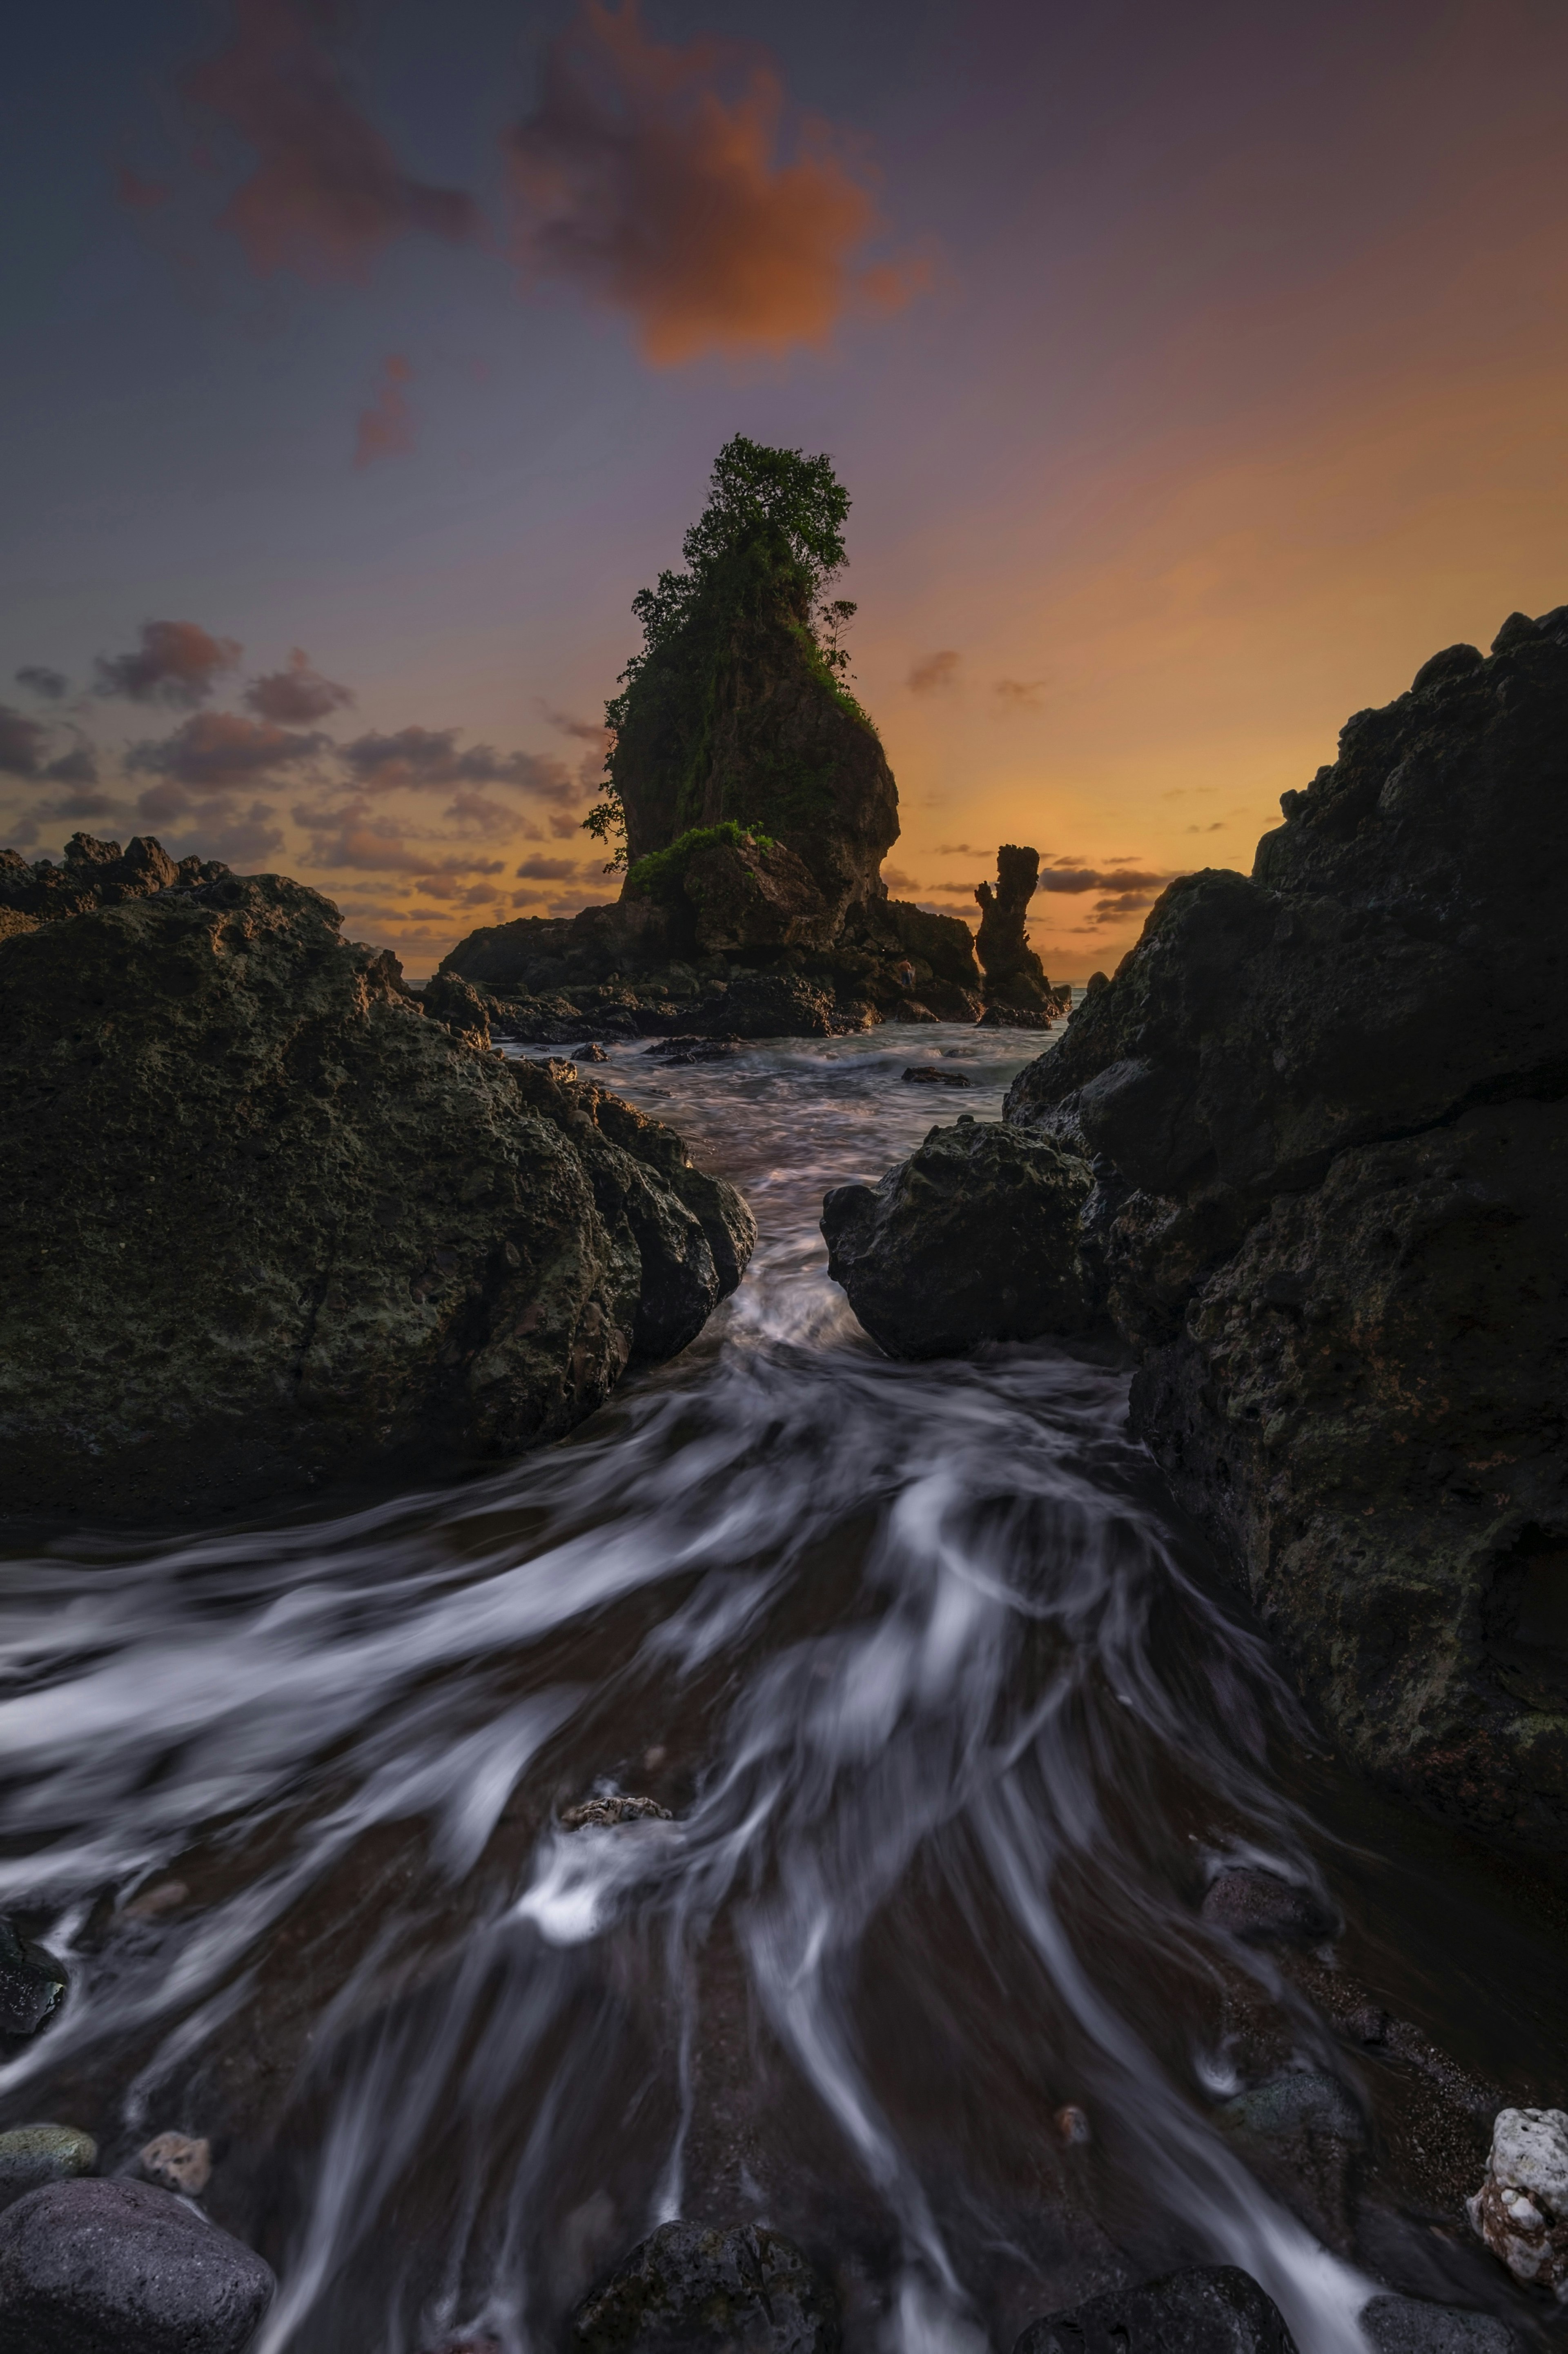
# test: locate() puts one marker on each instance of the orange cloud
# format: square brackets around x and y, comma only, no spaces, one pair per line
[642,181]
[386,427]
[934,671]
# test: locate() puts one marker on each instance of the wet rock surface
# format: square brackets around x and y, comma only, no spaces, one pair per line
[32,1984]
[1407,2324]
[1260,1908]
[690,2287]
[93,2267]
[273,1226]
[1521,2209]
[1209,2310]
[32,2155]
[974,1237]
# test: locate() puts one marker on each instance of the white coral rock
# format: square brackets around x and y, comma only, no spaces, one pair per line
[1521,2209]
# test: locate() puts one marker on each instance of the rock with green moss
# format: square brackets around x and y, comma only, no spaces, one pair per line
[31,2156]
[269,1227]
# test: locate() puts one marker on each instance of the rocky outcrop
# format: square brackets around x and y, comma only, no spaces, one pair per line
[1014,975]
[973,1238]
[268,1226]
[1326,1110]
[93,875]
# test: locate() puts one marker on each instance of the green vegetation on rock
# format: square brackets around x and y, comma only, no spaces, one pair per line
[661,874]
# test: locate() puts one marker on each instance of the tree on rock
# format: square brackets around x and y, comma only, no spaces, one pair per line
[736,709]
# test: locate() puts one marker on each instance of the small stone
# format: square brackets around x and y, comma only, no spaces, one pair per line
[594,1813]
[95,2268]
[175,2162]
[1521,2209]
[931,1074]
[1260,1908]
[31,1984]
[591,1053]
[686,2289]
[1207,2309]
[1307,2100]
[31,2156]
[1408,2325]
[1072,2125]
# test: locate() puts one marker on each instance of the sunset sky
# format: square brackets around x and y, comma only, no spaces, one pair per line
[1195,373]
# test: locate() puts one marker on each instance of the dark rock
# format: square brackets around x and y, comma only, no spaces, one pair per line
[1408,2325]
[1208,2309]
[268,1226]
[772,1005]
[590,1053]
[117,2267]
[95,874]
[748,895]
[974,1237]
[931,1074]
[1014,973]
[606,1813]
[31,2156]
[693,1050]
[1326,1108]
[1302,2101]
[1261,1909]
[456,1002]
[1019,1017]
[747,2291]
[31,1983]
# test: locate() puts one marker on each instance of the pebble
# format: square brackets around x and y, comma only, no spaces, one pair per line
[117,2267]
[1199,2311]
[1521,2209]
[175,2162]
[1260,1908]
[1408,2325]
[31,2156]
[696,2289]
[31,1984]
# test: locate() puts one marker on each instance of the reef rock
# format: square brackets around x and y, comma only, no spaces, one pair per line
[686,2288]
[93,873]
[974,1237]
[268,1226]
[1521,2209]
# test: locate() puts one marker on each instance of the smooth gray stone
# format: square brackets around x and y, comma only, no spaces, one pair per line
[31,2156]
[94,2267]
[1408,2325]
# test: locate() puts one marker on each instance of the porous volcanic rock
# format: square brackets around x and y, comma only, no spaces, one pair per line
[91,2267]
[1326,1110]
[268,1226]
[94,874]
[974,1237]
[686,2288]
[1207,2309]
[1014,975]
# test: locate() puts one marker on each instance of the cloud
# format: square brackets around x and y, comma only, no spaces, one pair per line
[586,731]
[960,850]
[470,808]
[349,833]
[933,673]
[138,195]
[420,758]
[1127,903]
[176,662]
[295,695]
[77,766]
[385,429]
[896,880]
[1018,693]
[244,839]
[1094,878]
[650,177]
[327,195]
[548,870]
[1218,827]
[214,749]
[23,743]
[38,679]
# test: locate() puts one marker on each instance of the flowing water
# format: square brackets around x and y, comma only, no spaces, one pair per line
[951,1720]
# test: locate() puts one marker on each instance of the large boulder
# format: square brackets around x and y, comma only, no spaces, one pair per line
[688,2289]
[1207,2309]
[91,2267]
[1326,1110]
[268,1226]
[974,1237]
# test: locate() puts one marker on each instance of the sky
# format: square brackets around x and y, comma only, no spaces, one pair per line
[1195,372]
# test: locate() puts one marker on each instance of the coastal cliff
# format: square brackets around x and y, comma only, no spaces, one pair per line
[1323,1111]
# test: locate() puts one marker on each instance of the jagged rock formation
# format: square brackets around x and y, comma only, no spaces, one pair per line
[1326,1112]
[92,875]
[268,1226]
[1014,975]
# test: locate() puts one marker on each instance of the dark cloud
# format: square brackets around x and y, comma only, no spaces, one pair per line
[1218,827]
[934,671]
[38,679]
[215,749]
[960,850]
[1094,878]
[350,833]
[548,870]
[420,757]
[86,800]
[1018,693]
[896,880]
[293,696]
[385,429]
[23,743]
[327,195]
[586,731]
[650,176]
[77,766]
[176,662]
[244,839]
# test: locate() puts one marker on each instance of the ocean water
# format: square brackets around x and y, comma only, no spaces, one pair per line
[952,1719]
